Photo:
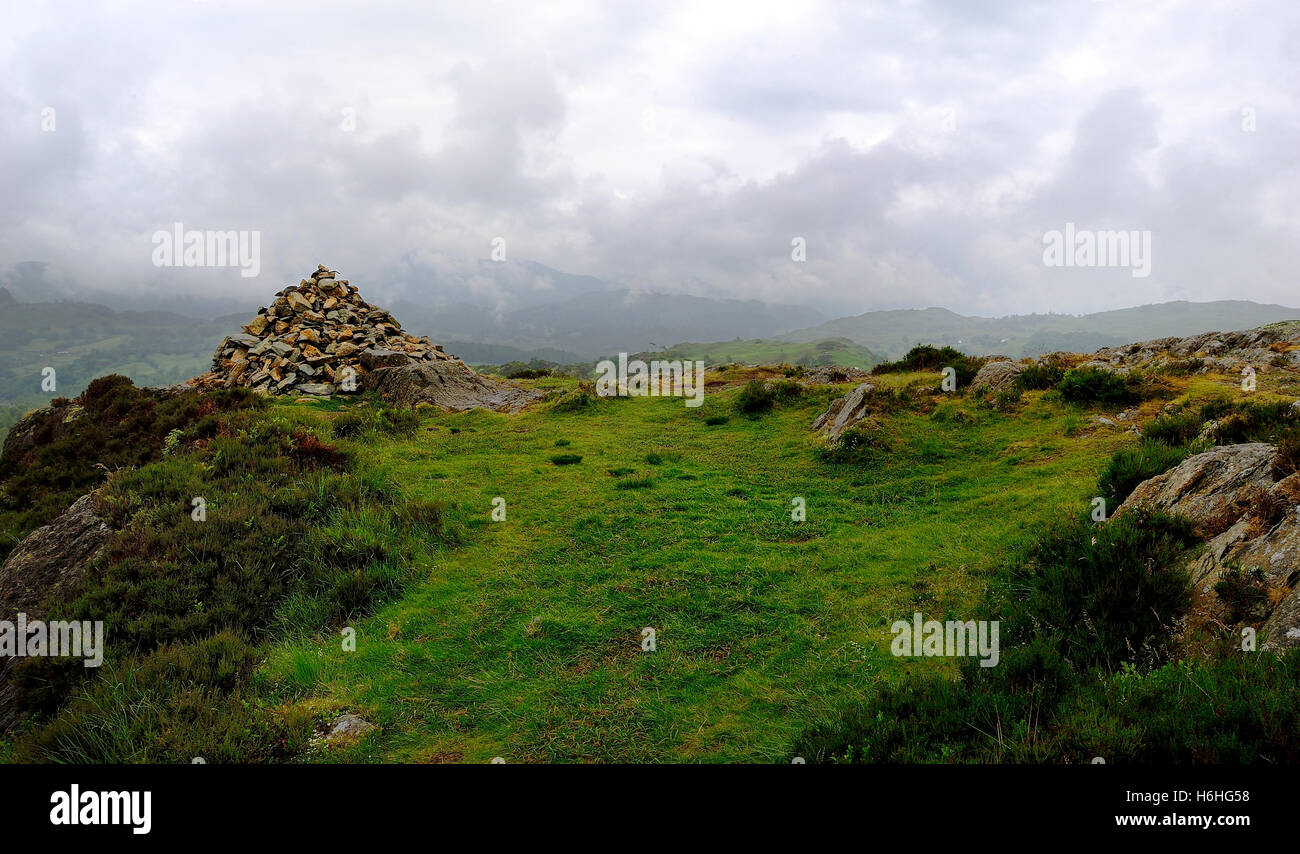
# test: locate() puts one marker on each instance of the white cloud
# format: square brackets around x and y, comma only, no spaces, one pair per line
[921,148]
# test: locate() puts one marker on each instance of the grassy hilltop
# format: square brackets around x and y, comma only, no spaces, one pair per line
[522,638]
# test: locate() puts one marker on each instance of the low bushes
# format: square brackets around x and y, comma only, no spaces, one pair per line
[1085,612]
[1130,466]
[112,425]
[758,396]
[928,358]
[1040,376]
[1094,385]
[294,539]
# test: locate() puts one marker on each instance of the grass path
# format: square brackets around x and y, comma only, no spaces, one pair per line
[526,642]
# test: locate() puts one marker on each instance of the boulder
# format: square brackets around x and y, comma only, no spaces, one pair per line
[996,375]
[831,374]
[1209,487]
[844,412]
[450,385]
[51,559]
[1253,521]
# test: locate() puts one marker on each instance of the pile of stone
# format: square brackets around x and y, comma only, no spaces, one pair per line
[317,338]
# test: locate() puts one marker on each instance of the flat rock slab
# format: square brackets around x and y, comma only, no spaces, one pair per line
[450,385]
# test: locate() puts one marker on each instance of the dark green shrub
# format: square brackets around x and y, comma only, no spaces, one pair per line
[180,702]
[1084,603]
[1256,422]
[385,421]
[1094,385]
[928,358]
[581,399]
[1288,453]
[858,444]
[69,450]
[1040,376]
[1102,593]
[566,459]
[715,420]
[1244,592]
[1130,466]
[756,397]
[1174,429]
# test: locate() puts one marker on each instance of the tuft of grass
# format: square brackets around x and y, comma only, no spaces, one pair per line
[566,459]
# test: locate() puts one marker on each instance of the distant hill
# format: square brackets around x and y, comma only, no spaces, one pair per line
[761,351]
[498,354]
[593,325]
[893,333]
[82,341]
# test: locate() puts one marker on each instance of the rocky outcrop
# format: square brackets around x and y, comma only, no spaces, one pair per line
[996,375]
[844,412]
[51,559]
[451,385]
[1273,346]
[831,374]
[49,562]
[1252,518]
[317,338]
[1218,484]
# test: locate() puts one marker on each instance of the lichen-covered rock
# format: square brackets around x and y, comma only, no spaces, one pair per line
[49,562]
[844,412]
[1211,486]
[1252,517]
[996,375]
[1275,345]
[830,374]
[450,385]
[51,559]
[1282,631]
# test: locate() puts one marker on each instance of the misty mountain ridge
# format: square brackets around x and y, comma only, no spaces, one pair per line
[892,333]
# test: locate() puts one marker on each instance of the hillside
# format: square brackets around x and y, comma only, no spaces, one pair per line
[893,333]
[761,351]
[609,321]
[82,341]
[500,571]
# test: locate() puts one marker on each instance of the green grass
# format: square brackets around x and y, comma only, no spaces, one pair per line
[525,643]
[522,638]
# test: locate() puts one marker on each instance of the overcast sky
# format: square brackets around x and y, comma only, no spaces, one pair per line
[921,149]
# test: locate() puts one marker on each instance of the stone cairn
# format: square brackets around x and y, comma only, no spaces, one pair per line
[317,338]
